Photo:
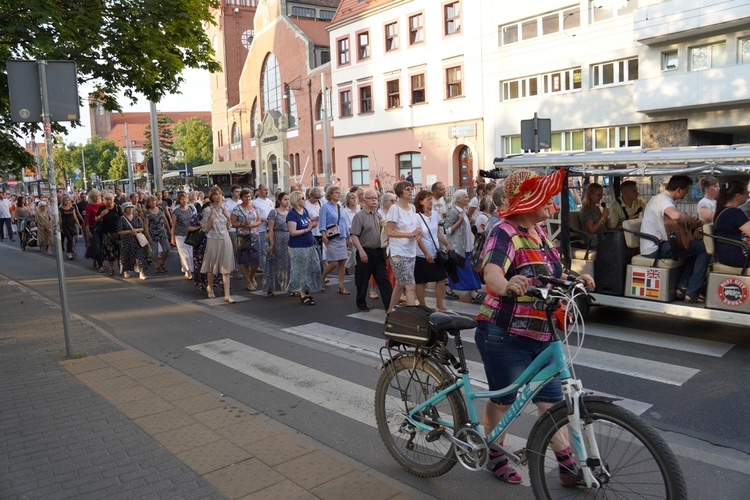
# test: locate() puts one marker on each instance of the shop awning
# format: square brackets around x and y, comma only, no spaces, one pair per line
[171,174]
[224,167]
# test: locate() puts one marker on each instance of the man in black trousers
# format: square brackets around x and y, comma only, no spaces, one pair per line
[365,234]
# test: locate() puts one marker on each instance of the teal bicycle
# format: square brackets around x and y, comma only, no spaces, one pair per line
[426,415]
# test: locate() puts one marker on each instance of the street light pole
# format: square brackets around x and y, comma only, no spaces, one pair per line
[312,126]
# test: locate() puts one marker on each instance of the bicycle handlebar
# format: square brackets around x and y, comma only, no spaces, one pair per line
[542,293]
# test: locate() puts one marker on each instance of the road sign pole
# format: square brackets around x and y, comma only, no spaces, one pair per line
[47,121]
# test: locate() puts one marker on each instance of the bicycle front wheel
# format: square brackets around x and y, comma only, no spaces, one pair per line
[405,383]
[638,461]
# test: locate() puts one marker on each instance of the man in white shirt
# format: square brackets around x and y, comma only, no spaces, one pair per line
[5,218]
[231,203]
[438,198]
[661,206]
[264,205]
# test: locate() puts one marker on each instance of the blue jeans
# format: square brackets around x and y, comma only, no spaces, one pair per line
[505,356]
[693,275]
[5,223]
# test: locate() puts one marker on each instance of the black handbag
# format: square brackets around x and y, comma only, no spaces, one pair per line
[245,243]
[195,238]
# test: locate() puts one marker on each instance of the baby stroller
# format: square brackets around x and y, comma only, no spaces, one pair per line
[28,234]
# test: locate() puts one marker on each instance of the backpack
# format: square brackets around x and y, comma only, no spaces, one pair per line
[475,259]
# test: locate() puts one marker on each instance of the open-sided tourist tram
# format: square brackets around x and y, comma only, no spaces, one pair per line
[624,278]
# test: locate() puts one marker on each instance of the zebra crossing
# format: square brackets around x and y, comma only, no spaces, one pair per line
[331,392]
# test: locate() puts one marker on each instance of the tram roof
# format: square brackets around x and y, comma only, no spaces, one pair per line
[639,162]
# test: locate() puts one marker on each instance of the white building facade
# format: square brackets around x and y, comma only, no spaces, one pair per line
[406,91]
[614,74]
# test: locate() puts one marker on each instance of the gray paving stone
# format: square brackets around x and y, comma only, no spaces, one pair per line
[59,438]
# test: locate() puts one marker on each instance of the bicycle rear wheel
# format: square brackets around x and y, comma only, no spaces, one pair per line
[639,462]
[405,383]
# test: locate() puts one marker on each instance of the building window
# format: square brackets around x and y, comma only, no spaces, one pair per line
[99,109]
[394,94]
[453,84]
[567,141]
[345,103]
[614,72]
[708,56]
[363,45]
[602,10]
[572,140]
[342,47]
[360,167]
[391,37]
[744,50]
[418,94]
[236,136]
[290,106]
[669,60]
[321,167]
[319,106]
[365,99]
[416,29]
[543,25]
[303,12]
[410,162]
[452,12]
[271,87]
[326,15]
[549,83]
[325,56]
[617,137]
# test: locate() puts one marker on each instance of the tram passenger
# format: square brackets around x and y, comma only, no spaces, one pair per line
[707,204]
[593,218]
[731,222]
[693,276]
[511,333]
[627,207]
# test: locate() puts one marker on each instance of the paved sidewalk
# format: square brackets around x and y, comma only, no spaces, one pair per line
[116,424]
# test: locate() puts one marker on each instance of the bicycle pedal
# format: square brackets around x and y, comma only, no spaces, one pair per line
[435,434]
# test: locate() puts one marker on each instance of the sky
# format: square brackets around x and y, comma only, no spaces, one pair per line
[195,96]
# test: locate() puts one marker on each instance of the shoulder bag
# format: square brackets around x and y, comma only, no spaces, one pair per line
[332,230]
[442,257]
[142,240]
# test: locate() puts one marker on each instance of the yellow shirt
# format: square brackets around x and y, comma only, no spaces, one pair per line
[617,216]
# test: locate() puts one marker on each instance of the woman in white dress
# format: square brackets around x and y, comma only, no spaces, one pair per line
[219,256]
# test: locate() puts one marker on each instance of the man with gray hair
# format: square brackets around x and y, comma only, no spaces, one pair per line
[365,235]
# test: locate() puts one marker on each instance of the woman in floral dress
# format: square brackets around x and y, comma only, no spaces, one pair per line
[276,276]
[246,219]
[132,255]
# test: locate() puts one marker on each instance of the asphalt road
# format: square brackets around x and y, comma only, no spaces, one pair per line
[314,368]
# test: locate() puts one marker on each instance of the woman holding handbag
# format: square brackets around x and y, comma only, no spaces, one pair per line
[334,229]
[132,251]
[458,229]
[246,219]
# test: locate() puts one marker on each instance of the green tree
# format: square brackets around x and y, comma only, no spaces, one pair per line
[99,153]
[133,47]
[194,138]
[66,158]
[166,138]
[118,168]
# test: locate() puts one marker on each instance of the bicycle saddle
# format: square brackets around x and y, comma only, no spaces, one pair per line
[446,322]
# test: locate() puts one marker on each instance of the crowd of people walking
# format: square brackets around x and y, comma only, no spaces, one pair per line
[295,243]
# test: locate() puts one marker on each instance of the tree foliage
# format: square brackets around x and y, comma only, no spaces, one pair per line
[195,140]
[118,167]
[99,153]
[133,47]
[166,138]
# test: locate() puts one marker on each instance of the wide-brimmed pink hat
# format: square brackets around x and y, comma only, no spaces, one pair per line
[528,192]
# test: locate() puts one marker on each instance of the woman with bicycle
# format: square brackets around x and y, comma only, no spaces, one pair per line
[511,333]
